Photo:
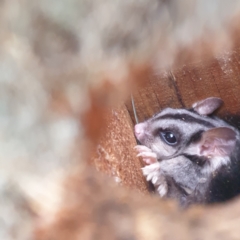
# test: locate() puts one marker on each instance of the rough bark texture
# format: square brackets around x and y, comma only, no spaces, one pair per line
[115,155]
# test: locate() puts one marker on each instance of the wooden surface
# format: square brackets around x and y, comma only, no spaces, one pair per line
[182,86]
[114,154]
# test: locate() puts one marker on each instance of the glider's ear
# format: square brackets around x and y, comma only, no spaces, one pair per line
[217,142]
[207,106]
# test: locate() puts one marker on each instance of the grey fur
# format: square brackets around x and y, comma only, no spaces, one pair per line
[184,171]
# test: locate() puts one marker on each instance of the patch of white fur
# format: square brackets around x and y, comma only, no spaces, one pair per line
[193,150]
[215,163]
[153,174]
[162,189]
[187,190]
[151,171]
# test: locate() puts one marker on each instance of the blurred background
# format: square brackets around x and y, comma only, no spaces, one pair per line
[58,58]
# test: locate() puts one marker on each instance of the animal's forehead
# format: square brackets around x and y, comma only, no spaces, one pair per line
[177,126]
[184,115]
[173,111]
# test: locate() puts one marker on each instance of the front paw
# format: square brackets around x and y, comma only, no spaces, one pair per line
[146,153]
[153,174]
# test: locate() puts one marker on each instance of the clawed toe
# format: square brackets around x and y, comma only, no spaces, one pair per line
[142,148]
[146,153]
[153,174]
[162,189]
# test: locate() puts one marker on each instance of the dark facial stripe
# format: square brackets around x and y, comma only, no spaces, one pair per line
[200,161]
[194,138]
[186,118]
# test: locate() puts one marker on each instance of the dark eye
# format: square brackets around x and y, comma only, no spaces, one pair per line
[169,138]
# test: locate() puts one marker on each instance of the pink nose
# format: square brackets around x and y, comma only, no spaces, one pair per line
[139,129]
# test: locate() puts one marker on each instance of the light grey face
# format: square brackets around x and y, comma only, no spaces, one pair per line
[190,136]
[173,130]
[190,147]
